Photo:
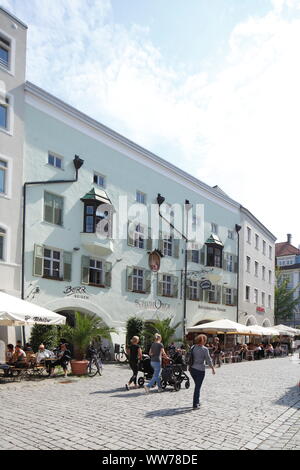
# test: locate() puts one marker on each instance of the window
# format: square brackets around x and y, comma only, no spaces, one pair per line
[96,275]
[2,243]
[193,253]
[214,228]
[100,180]
[231,234]
[270,252]
[228,296]
[52,264]
[256,269]
[256,241]
[248,264]
[263,298]
[53,209]
[229,262]
[263,273]
[212,295]
[54,160]
[97,219]
[168,246]
[3,176]
[194,290]
[138,280]
[140,197]
[139,237]
[214,256]
[269,300]
[5,52]
[247,295]
[264,247]
[4,113]
[255,296]
[249,235]
[167,285]
[270,276]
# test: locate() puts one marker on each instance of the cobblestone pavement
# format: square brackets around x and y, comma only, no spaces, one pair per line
[250,405]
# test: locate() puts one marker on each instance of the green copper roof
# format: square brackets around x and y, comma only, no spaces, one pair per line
[214,240]
[96,195]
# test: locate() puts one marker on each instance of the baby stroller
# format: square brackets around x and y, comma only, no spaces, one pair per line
[146,368]
[174,374]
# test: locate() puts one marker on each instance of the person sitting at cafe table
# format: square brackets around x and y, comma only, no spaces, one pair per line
[19,357]
[64,357]
[43,354]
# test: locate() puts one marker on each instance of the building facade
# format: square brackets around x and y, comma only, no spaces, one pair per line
[288,261]
[12,102]
[257,272]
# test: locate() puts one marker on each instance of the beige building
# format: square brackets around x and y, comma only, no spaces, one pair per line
[13,35]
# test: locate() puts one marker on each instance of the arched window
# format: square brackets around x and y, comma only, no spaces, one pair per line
[266,323]
[251,321]
[2,243]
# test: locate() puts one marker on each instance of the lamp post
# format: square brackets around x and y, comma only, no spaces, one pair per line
[237,229]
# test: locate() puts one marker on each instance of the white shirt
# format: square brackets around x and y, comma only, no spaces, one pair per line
[43,355]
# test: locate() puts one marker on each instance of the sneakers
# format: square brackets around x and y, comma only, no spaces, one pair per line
[159,389]
[146,389]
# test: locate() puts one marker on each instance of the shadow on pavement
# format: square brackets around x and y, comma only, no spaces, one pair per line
[291,398]
[168,412]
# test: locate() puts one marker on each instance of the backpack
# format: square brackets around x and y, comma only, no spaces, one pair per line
[189,358]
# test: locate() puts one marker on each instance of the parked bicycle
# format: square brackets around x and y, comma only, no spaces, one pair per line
[95,364]
[105,353]
[122,356]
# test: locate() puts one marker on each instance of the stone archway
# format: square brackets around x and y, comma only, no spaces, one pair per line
[266,323]
[251,321]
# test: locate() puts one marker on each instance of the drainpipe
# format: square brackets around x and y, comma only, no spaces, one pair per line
[78,162]
[237,229]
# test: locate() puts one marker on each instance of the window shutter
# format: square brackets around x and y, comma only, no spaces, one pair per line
[189,255]
[130,237]
[176,246]
[201,294]
[224,261]
[205,295]
[108,270]
[223,295]
[159,285]
[149,241]
[129,278]
[67,266]
[202,255]
[148,282]
[219,294]
[174,286]
[38,261]
[85,269]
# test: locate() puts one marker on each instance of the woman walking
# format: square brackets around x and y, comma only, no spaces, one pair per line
[135,354]
[199,356]
[156,353]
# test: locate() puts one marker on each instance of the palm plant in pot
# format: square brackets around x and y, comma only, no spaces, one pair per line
[87,329]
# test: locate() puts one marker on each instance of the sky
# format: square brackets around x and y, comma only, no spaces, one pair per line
[213,86]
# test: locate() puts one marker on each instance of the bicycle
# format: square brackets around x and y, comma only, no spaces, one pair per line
[95,365]
[105,353]
[122,356]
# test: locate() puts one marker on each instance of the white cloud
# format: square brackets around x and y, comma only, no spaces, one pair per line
[237,129]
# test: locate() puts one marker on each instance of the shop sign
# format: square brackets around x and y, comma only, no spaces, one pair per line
[260,309]
[151,305]
[206,285]
[215,309]
[78,292]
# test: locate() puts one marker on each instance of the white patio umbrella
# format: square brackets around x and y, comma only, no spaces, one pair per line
[286,330]
[18,312]
[263,331]
[221,326]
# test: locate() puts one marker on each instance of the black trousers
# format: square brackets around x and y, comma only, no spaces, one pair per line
[134,368]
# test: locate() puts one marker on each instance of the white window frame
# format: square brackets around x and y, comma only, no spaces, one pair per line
[12,54]
[269,301]
[194,288]
[263,299]
[63,205]
[263,273]
[168,244]
[248,264]
[138,279]
[256,241]
[229,263]
[167,285]
[231,234]
[140,197]
[9,172]
[103,177]
[214,228]
[255,296]
[256,268]
[264,247]
[10,112]
[228,296]
[270,252]
[53,260]
[212,295]
[139,237]
[249,234]
[56,157]
[270,276]
[4,237]
[248,290]
[95,268]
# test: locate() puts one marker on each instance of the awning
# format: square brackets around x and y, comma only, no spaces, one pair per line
[262,331]
[287,330]
[17,312]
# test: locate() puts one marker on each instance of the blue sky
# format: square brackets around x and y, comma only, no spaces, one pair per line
[210,85]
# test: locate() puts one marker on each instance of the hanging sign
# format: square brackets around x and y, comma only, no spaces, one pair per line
[206,285]
[154,261]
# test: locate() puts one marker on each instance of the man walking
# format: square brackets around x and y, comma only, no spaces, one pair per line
[199,356]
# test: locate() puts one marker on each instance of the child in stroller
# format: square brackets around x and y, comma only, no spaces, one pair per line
[146,368]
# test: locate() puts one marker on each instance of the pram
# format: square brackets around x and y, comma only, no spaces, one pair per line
[146,368]
[173,373]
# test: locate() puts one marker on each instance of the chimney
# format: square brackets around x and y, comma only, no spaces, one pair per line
[289,238]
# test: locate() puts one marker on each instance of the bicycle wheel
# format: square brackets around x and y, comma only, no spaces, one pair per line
[100,367]
[121,357]
[92,368]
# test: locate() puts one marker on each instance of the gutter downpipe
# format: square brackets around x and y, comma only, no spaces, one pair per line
[78,162]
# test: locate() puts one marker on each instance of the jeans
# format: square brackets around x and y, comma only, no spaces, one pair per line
[198,377]
[156,374]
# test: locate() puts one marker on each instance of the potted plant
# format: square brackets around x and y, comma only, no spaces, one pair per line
[87,328]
